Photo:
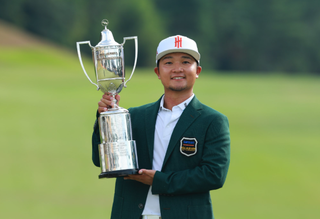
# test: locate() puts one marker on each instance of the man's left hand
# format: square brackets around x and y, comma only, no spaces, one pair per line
[144,176]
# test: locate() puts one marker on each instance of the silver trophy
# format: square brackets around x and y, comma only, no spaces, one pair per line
[118,154]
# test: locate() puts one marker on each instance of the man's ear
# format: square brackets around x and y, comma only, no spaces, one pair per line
[156,70]
[199,68]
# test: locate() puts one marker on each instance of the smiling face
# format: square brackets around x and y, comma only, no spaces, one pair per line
[178,72]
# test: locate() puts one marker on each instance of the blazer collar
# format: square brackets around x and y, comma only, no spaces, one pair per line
[189,115]
[150,120]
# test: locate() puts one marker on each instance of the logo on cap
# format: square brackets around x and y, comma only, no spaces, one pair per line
[178,42]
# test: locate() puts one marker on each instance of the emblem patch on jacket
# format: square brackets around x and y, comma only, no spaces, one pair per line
[188,146]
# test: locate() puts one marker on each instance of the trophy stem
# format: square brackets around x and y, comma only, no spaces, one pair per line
[114,100]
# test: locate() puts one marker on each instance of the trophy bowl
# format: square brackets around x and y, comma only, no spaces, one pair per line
[110,68]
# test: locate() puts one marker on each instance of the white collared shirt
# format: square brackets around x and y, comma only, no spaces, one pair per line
[166,121]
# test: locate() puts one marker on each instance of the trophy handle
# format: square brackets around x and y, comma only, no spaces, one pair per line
[136,55]
[80,59]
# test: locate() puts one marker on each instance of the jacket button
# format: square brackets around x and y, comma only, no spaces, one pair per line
[140,206]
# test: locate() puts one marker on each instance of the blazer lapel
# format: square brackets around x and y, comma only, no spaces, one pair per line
[151,114]
[189,115]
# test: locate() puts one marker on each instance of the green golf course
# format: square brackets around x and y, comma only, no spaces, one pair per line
[48,110]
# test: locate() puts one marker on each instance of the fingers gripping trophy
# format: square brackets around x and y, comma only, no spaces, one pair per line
[118,154]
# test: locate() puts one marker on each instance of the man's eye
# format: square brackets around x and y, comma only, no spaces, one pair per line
[168,63]
[186,62]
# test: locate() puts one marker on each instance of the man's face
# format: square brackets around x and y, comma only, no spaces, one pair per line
[178,72]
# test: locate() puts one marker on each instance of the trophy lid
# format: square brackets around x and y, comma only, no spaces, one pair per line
[106,35]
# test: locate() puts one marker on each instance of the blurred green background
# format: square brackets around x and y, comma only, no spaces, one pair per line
[232,35]
[48,106]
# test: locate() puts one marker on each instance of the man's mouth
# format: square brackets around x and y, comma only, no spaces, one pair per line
[177,78]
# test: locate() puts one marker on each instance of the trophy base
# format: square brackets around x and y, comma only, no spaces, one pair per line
[118,173]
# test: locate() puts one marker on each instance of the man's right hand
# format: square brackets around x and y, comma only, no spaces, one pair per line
[106,102]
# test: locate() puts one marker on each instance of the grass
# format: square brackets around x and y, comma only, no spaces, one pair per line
[47,113]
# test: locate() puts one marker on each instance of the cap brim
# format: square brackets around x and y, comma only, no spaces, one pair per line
[193,53]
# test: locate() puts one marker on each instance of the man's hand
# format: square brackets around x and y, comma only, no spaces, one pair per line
[144,176]
[106,102]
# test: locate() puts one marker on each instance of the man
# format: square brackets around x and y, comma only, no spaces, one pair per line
[183,146]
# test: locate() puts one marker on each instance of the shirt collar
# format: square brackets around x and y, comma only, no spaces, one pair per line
[182,105]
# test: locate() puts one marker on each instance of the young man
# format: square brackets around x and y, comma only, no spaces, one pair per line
[183,146]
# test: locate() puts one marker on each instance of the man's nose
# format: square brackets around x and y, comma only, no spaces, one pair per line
[177,68]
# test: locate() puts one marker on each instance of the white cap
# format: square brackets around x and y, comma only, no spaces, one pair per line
[178,43]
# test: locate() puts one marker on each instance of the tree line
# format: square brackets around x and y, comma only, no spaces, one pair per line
[232,35]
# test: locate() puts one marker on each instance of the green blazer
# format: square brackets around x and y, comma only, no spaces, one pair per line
[196,161]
